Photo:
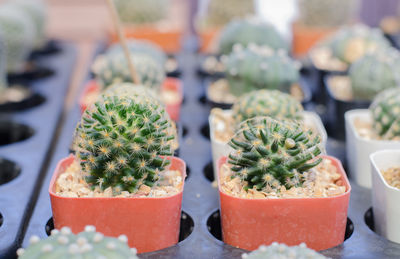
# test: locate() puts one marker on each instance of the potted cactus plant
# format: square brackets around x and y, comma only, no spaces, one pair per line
[317,20]
[370,130]
[122,170]
[275,167]
[87,244]
[272,103]
[386,193]
[150,20]
[369,75]
[256,67]
[276,250]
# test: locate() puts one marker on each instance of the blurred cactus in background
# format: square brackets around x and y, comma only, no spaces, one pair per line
[142,11]
[220,12]
[3,64]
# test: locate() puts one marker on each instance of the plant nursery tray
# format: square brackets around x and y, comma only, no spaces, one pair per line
[200,232]
[26,137]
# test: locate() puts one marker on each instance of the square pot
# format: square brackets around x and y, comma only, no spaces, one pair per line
[385,198]
[220,148]
[149,223]
[359,149]
[318,222]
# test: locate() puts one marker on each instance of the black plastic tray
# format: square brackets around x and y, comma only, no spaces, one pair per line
[35,128]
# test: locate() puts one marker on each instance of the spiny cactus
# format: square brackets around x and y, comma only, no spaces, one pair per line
[352,42]
[36,10]
[220,12]
[18,33]
[271,103]
[375,72]
[317,13]
[258,67]
[89,244]
[142,11]
[250,30]
[121,140]
[282,251]
[268,154]
[113,68]
[385,110]
[130,90]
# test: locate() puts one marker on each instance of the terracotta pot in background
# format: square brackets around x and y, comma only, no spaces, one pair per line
[149,223]
[318,222]
[207,39]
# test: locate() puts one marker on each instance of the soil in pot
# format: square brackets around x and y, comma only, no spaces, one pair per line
[211,65]
[392,176]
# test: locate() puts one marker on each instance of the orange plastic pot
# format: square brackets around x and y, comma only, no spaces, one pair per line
[169,84]
[207,39]
[168,39]
[149,223]
[318,222]
[305,37]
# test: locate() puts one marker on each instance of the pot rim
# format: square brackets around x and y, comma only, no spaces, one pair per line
[376,169]
[338,165]
[71,157]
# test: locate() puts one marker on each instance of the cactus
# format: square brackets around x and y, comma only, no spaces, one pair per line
[375,72]
[121,140]
[282,251]
[352,42]
[385,110]
[113,68]
[3,64]
[36,10]
[271,103]
[269,154]
[130,90]
[89,244]
[18,33]
[317,13]
[220,12]
[256,67]
[141,11]
[250,30]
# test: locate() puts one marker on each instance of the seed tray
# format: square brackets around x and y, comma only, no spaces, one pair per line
[200,235]
[25,142]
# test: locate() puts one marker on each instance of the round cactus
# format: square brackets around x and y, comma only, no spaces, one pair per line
[121,140]
[268,154]
[130,90]
[141,11]
[89,244]
[385,110]
[250,30]
[282,251]
[18,33]
[36,10]
[352,42]
[220,12]
[258,67]
[375,72]
[271,103]
[113,68]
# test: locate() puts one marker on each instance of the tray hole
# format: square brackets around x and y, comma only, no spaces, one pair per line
[205,131]
[186,226]
[214,226]
[8,171]
[1,219]
[208,171]
[11,132]
[187,172]
[203,99]
[184,131]
[19,98]
[369,219]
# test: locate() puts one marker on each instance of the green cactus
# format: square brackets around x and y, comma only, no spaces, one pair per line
[258,67]
[375,72]
[271,103]
[317,13]
[352,42]
[113,68]
[268,154]
[282,251]
[130,90]
[121,140]
[220,12]
[89,244]
[250,30]
[142,11]
[385,110]
[18,33]
[36,10]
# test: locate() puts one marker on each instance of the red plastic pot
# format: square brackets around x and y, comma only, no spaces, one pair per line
[149,223]
[169,84]
[318,222]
